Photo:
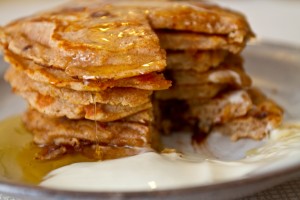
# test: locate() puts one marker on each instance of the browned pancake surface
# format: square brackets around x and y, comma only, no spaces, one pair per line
[113,96]
[59,78]
[56,107]
[198,61]
[205,91]
[63,131]
[118,44]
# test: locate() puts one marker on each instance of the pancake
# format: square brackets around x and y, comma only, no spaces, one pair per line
[249,127]
[239,114]
[174,14]
[193,16]
[178,115]
[59,78]
[63,131]
[92,151]
[62,134]
[198,61]
[143,117]
[55,107]
[172,40]
[54,38]
[264,116]
[181,92]
[119,44]
[218,110]
[231,75]
[113,96]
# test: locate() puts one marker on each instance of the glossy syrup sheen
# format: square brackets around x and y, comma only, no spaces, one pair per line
[17,155]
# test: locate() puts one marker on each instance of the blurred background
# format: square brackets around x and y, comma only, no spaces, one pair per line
[272,20]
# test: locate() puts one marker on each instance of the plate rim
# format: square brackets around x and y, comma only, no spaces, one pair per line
[18,189]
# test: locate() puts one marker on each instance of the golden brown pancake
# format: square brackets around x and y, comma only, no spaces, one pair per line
[113,39]
[205,91]
[221,109]
[55,107]
[181,114]
[59,78]
[59,136]
[92,151]
[113,96]
[231,75]
[198,61]
[264,116]
[195,41]
[239,114]
[250,127]
[63,131]
[143,117]
[174,14]
[193,16]
[116,45]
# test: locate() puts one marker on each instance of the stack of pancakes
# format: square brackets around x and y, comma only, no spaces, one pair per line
[88,71]
[88,78]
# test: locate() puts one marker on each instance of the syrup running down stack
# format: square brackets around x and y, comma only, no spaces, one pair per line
[88,70]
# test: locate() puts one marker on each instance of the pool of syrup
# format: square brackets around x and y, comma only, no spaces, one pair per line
[18,152]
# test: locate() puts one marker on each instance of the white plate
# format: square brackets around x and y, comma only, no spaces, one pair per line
[274,68]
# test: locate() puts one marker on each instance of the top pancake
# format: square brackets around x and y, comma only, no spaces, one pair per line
[103,39]
[193,16]
[209,22]
[101,43]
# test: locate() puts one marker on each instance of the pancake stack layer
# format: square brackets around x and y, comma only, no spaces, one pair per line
[88,71]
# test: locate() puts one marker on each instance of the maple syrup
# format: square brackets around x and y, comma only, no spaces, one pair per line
[18,155]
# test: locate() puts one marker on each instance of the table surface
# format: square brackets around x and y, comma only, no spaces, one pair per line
[286,191]
[273,20]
